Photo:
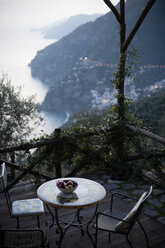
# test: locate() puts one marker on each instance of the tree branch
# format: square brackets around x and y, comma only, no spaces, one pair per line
[138,24]
[146,133]
[113,9]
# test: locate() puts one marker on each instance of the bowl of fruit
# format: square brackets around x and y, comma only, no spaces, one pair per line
[67,186]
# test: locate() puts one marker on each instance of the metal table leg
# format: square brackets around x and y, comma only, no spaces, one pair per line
[75,222]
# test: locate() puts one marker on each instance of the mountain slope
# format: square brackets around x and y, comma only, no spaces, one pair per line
[55,61]
[98,40]
[63,29]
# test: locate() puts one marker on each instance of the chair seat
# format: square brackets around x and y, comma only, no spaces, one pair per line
[27,207]
[108,223]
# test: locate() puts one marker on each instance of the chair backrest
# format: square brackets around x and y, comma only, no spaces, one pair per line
[3,185]
[149,193]
[133,215]
[3,177]
[17,238]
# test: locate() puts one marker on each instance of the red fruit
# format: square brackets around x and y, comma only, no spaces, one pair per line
[61,184]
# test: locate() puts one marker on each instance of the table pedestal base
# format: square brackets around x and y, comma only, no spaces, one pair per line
[77,222]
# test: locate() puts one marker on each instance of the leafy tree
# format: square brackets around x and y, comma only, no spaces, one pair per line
[16,114]
[151,109]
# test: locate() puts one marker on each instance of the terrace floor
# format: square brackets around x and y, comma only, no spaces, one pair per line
[73,237]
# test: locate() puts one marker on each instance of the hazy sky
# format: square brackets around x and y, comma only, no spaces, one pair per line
[37,13]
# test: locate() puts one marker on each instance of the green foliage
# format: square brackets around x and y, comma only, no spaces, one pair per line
[131,65]
[97,152]
[109,151]
[91,153]
[152,110]
[16,113]
[87,119]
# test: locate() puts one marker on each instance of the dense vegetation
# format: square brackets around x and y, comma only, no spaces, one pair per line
[152,110]
[16,114]
[102,150]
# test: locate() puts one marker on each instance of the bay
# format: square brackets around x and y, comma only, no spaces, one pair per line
[17,48]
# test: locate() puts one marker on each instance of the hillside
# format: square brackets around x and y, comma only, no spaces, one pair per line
[74,82]
[150,109]
[67,26]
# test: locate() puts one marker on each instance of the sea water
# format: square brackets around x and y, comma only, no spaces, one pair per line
[17,48]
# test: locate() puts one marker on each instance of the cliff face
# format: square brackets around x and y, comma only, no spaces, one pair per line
[99,40]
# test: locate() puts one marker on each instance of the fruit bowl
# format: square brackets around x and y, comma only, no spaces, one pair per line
[67,186]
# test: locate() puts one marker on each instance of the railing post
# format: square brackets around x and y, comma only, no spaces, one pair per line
[12,170]
[58,164]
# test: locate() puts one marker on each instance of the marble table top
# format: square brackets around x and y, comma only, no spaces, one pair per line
[88,193]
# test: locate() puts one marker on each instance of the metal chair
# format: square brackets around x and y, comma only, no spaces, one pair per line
[17,238]
[117,222]
[20,208]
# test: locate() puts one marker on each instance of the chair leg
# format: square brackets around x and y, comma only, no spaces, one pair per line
[38,221]
[96,238]
[145,234]
[129,242]
[109,238]
[17,222]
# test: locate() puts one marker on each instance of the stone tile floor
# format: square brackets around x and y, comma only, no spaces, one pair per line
[155,206]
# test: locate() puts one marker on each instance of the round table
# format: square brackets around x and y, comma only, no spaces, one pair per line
[88,193]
